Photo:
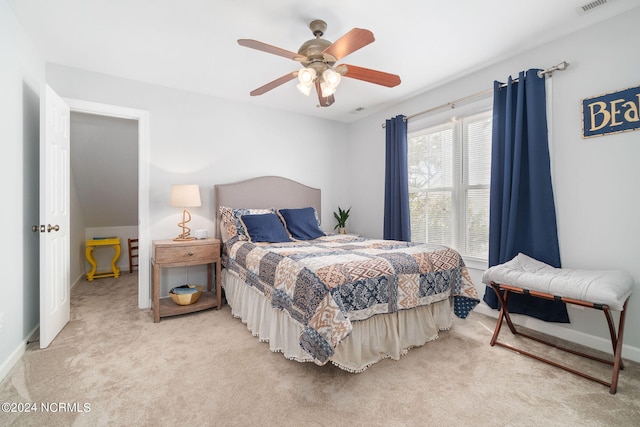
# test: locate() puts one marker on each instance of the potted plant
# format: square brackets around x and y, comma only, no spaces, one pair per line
[341,217]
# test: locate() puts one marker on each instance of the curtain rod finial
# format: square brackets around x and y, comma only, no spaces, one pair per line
[561,66]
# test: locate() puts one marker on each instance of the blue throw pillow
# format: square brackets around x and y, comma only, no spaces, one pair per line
[265,228]
[302,223]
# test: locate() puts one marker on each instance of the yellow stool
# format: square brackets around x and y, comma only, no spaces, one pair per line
[91,244]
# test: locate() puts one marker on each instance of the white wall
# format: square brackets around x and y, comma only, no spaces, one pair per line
[595,180]
[198,139]
[21,77]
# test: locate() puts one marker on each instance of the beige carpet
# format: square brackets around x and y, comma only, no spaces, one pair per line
[119,368]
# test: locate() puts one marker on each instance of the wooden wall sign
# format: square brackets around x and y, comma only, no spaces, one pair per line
[611,113]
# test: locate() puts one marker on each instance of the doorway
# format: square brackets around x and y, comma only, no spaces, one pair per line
[142,119]
[103,187]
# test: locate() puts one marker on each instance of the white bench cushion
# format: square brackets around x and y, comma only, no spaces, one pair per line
[610,287]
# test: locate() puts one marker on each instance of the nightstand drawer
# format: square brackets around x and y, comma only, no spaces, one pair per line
[198,252]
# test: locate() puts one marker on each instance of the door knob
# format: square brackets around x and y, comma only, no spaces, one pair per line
[54,228]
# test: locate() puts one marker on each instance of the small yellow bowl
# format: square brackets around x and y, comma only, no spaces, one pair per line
[187,299]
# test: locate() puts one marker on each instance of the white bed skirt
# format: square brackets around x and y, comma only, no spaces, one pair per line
[379,337]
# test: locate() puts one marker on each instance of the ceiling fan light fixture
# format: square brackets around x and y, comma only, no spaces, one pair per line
[318,57]
[327,90]
[330,81]
[331,77]
[304,88]
[306,76]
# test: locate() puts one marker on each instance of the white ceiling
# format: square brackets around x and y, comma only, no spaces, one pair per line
[191,44]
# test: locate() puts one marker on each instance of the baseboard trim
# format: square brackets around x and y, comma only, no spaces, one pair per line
[591,341]
[11,361]
[15,356]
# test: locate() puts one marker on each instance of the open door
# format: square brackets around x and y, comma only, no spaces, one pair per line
[55,292]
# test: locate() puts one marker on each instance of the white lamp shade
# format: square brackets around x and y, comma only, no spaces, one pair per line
[185,195]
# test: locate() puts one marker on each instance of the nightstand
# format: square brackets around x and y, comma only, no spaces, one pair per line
[170,253]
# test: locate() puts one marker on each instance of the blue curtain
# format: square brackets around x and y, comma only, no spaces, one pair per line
[522,215]
[396,185]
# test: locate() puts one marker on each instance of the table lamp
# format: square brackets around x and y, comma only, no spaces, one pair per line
[185,196]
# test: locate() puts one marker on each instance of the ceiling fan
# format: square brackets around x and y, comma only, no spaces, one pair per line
[318,57]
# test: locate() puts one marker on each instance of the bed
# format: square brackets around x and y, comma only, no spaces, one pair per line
[339,299]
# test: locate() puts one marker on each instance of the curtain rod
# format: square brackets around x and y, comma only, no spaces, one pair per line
[452,104]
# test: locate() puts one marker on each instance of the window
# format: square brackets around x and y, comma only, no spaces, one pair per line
[449,176]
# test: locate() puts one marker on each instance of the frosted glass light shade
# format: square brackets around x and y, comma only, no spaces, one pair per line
[305,89]
[331,78]
[327,90]
[306,76]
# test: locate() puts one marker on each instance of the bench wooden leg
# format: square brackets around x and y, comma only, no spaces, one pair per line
[617,358]
[503,298]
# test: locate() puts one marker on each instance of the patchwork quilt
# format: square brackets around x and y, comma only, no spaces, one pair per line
[327,283]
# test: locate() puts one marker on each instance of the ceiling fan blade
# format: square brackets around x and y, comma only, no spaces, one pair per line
[274,84]
[254,44]
[324,101]
[371,76]
[355,39]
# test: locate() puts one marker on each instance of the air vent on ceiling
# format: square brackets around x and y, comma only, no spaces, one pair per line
[589,7]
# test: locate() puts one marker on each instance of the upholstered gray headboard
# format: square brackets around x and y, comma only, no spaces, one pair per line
[264,192]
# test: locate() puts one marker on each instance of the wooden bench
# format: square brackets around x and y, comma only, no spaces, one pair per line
[596,289]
